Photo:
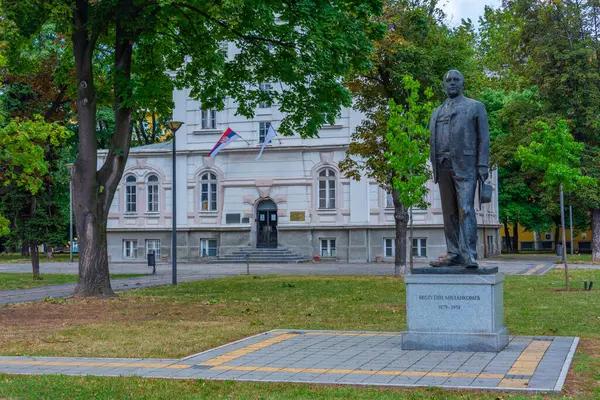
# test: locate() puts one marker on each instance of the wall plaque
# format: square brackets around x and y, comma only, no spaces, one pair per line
[298,216]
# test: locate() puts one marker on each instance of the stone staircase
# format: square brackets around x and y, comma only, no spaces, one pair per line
[273,256]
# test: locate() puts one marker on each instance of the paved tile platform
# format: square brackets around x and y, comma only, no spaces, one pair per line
[338,357]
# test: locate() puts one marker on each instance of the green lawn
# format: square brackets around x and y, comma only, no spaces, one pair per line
[172,322]
[9,281]
[579,259]
[13,258]
[84,388]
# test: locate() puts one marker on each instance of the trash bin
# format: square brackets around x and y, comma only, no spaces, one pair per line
[152,262]
[559,250]
[151,259]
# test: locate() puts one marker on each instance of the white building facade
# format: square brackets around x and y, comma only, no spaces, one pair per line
[293,197]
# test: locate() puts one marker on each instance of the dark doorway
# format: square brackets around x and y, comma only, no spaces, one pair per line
[266,224]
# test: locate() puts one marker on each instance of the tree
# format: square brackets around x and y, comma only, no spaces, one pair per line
[512,118]
[555,45]
[557,155]
[4,226]
[419,44]
[24,174]
[306,45]
[408,143]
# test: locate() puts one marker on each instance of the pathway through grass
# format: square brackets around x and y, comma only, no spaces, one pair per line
[9,281]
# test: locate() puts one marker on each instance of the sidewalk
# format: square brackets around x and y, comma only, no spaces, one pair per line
[534,364]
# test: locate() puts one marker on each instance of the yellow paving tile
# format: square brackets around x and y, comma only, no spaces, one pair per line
[440,374]
[337,371]
[464,375]
[514,383]
[388,373]
[413,373]
[177,366]
[316,370]
[246,350]
[267,369]
[492,376]
[292,369]
[530,358]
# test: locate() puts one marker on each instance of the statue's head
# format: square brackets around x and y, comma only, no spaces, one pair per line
[454,82]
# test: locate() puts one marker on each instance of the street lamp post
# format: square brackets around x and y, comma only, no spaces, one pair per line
[173,127]
[70,167]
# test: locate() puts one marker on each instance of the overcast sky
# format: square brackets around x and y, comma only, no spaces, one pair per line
[457,9]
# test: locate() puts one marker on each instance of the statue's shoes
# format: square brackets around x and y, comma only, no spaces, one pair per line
[472,264]
[447,262]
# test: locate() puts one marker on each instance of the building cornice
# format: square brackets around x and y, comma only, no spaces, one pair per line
[241,150]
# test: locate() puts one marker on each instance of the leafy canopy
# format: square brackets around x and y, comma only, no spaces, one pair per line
[408,138]
[22,146]
[555,152]
[306,45]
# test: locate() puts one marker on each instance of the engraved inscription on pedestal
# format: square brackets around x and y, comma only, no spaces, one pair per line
[455,312]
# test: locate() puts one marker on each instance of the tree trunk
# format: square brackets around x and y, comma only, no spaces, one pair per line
[401,219]
[49,253]
[25,248]
[596,234]
[94,275]
[93,190]
[89,213]
[516,236]
[507,238]
[35,260]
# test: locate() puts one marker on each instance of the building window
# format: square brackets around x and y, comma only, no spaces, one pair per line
[265,87]
[130,194]
[389,200]
[208,248]
[327,247]
[129,248]
[152,193]
[153,246]
[389,247]
[208,199]
[224,49]
[490,244]
[209,119]
[263,129]
[419,247]
[327,184]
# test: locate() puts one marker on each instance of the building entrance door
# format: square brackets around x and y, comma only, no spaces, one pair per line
[266,224]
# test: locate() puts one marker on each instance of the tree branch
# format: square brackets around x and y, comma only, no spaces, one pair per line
[248,38]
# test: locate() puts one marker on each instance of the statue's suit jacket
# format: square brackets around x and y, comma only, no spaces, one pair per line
[469,138]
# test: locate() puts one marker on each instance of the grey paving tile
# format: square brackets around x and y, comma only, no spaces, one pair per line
[431,380]
[327,378]
[459,381]
[486,382]
[404,380]
[378,379]
[255,375]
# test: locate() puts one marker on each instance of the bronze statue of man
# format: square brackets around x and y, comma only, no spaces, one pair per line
[460,147]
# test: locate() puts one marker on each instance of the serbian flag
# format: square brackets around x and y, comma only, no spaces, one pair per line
[228,137]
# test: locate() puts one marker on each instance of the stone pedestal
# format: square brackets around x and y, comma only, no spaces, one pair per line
[455,312]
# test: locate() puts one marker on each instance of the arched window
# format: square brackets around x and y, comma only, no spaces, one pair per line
[327,183]
[152,193]
[130,194]
[208,195]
